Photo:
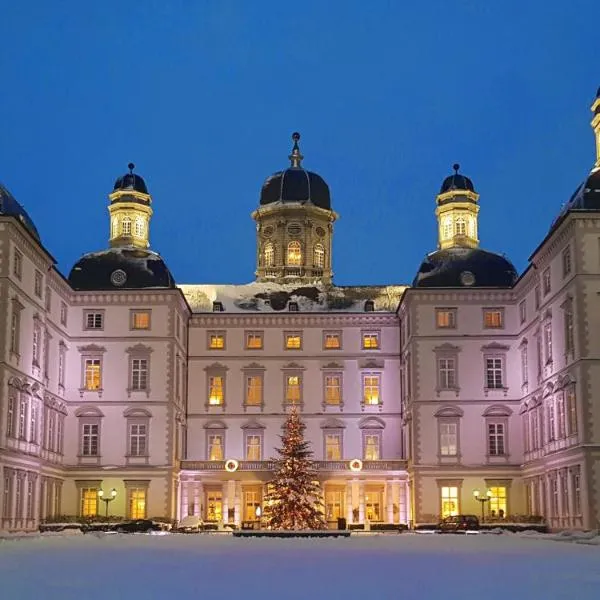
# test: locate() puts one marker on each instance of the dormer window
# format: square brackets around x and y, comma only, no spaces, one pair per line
[369,306]
[217,306]
[293,307]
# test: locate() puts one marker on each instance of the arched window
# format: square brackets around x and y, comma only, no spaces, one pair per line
[269,255]
[319,256]
[115,227]
[126,226]
[294,254]
[461,226]
[139,227]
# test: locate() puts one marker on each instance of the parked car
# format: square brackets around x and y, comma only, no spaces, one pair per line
[138,526]
[190,524]
[459,524]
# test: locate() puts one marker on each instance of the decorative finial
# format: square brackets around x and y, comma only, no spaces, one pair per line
[456,167]
[295,157]
[131,167]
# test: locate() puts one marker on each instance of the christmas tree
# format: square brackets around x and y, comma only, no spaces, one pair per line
[294,501]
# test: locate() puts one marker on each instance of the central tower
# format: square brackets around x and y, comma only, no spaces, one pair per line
[294,226]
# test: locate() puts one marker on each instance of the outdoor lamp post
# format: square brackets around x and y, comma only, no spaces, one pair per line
[483,499]
[107,499]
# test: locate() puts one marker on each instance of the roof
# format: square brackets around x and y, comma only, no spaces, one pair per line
[11,208]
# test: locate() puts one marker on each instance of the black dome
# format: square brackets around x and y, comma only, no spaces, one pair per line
[296,185]
[131,181]
[11,208]
[120,268]
[465,267]
[456,181]
[585,197]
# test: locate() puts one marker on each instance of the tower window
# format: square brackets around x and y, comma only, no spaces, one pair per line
[369,306]
[294,254]
[269,255]
[217,306]
[461,226]
[447,228]
[293,307]
[319,256]
[126,226]
[139,227]
[115,227]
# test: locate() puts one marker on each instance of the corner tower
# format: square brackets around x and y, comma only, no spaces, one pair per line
[130,211]
[456,212]
[294,226]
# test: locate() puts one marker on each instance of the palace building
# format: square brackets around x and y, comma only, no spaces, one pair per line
[125,393]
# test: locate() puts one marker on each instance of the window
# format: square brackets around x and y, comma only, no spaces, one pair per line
[334,504]
[461,226]
[18,264]
[566,261]
[63,313]
[524,364]
[372,446]
[47,338]
[214,505]
[449,501]
[498,504]
[254,340]
[254,390]
[333,389]
[569,330]
[92,374]
[10,416]
[62,355]
[215,390]
[89,439]
[561,426]
[332,340]
[269,254]
[494,373]
[15,327]
[138,435]
[216,340]
[217,306]
[445,318]
[448,439]
[33,423]
[293,306]
[447,373]
[496,439]
[94,320]
[493,318]
[370,340]
[537,297]
[447,228]
[576,484]
[30,495]
[38,283]
[89,502]
[140,319]
[22,417]
[546,281]
[293,340]
[139,227]
[139,374]
[369,306]
[137,503]
[294,254]
[319,256]
[114,227]
[292,389]
[253,446]
[522,311]
[51,440]
[126,226]
[215,446]
[333,446]
[36,342]
[571,411]
[372,389]
[548,341]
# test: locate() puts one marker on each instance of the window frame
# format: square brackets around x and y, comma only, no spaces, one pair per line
[452,314]
[84,382]
[376,433]
[379,376]
[546,281]
[503,435]
[327,373]
[523,311]
[260,375]
[332,334]
[95,314]
[38,284]
[371,334]
[287,335]
[443,422]
[64,313]
[567,261]
[488,311]
[337,433]
[90,421]
[216,334]
[131,487]
[250,433]
[287,373]
[135,312]
[17,264]
[293,257]
[256,334]
[215,432]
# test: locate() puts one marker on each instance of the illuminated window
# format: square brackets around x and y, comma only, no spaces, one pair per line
[447,228]
[140,319]
[215,390]
[251,503]
[292,389]
[372,446]
[461,226]
[371,389]
[18,264]
[333,389]
[293,340]
[294,254]
[138,435]
[269,254]
[332,340]
[253,446]
[89,439]
[254,340]
[498,501]
[92,374]
[493,318]
[216,340]
[89,502]
[114,227]
[215,446]
[546,281]
[445,318]
[214,505]
[137,503]
[373,503]
[448,439]
[334,504]
[94,320]
[449,498]
[139,227]
[494,373]
[254,390]
[370,341]
[126,226]
[319,256]
[496,439]
[333,446]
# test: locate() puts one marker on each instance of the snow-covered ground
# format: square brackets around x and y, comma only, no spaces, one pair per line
[376,567]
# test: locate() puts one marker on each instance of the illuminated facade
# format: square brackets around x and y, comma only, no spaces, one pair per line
[473,378]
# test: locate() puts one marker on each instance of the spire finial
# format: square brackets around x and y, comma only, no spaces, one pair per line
[456,167]
[296,157]
[131,167]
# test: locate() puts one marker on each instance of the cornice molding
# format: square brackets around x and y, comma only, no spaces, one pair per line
[558,238]
[217,320]
[167,296]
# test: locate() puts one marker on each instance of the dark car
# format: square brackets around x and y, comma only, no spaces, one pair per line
[137,526]
[459,524]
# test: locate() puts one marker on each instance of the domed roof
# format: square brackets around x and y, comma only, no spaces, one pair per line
[465,267]
[120,268]
[585,197]
[130,181]
[456,181]
[11,208]
[296,184]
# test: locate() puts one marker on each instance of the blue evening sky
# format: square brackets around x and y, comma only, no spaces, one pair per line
[203,97]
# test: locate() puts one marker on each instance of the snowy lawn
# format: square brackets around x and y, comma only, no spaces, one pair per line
[377,567]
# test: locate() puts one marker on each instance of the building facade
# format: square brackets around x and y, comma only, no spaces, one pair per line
[125,394]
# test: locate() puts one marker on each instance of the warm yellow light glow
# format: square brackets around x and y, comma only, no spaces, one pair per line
[445,318]
[294,254]
[215,390]
[449,498]
[254,390]
[293,341]
[493,319]
[371,447]
[333,450]
[332,341]
[216,341]
[89,502]
[333,389]
[92,374]
[370,341]
[141,320]
[215,447]
[292,389]
[137,503]
[254,341]
[371,389]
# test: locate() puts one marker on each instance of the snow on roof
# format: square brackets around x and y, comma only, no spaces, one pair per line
[273,297]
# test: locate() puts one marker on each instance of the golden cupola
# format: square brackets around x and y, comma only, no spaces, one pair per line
[130,211]
[456,212]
